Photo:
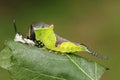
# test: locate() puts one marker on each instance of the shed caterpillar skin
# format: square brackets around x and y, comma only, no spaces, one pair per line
[20,38]
[42,33]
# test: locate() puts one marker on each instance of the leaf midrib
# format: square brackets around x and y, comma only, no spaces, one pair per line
[79,67]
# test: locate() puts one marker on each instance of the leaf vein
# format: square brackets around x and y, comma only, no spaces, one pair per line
[44,74]
[95,71]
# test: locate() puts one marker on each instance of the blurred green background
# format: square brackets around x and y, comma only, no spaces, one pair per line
[93,22]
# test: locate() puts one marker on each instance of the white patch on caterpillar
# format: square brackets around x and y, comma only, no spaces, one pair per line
[19,38]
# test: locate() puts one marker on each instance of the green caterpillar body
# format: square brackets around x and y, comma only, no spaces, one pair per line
[50,40]
[45,34]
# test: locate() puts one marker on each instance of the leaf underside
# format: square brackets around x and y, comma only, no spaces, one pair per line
[30,63]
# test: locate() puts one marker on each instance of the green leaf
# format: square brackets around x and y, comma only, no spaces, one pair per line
[30,63]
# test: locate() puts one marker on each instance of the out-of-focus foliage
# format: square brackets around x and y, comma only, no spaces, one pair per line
[95,23]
